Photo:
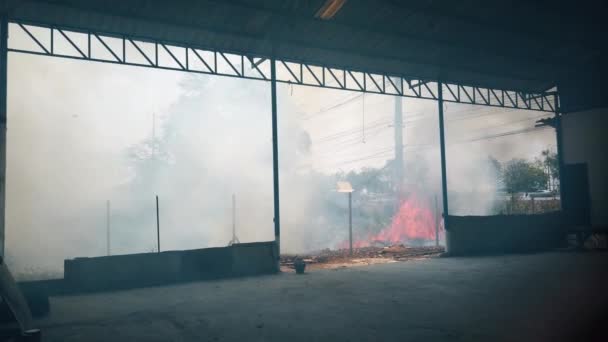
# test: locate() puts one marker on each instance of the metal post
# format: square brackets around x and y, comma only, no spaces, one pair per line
[157,227]
[108,227]
[560,151]
[436,223]
[3,120]
[444,184]
[350,222]
[275,159]
[533,206]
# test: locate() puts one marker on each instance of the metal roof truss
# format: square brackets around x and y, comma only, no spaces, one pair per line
[135,51]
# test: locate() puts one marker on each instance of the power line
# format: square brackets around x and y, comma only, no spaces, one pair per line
[378,154]
[387,152]
[494,136]
[337,105]
[508,123]
[379,123]
[348,132]
[351,137]
[348,145]
[357,130]
[340,104]
[411,123]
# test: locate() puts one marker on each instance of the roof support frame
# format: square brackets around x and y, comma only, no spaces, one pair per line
[294,74]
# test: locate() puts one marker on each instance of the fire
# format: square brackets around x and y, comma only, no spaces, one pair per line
[414,222]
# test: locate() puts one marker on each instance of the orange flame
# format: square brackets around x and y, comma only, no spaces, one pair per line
[414,221]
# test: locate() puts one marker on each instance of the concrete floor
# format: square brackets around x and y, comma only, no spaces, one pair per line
[537,297]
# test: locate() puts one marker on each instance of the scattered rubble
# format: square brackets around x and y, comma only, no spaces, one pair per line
[327,258]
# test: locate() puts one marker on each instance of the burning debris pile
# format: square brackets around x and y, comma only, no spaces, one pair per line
[414,224]
[363,255]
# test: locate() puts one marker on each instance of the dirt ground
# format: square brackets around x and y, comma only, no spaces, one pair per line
[332,259]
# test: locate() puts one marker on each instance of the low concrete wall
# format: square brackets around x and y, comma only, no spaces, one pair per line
[468,235]
[123,271]
[253,258]
[206,263]
[148,269]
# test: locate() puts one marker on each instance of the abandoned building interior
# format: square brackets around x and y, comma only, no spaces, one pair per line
[303,170]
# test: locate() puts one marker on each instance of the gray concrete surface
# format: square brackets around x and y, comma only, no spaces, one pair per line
[471,235]
[537,297]
[117,272]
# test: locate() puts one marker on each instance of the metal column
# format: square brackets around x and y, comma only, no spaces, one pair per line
[157,227]
[560,154]
[3,116]
[350,223]
[275,159]
[444,184]
[108,236]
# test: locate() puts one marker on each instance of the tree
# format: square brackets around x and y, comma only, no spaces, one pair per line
[520,175]
[493,168]
[371,180]
[551,164]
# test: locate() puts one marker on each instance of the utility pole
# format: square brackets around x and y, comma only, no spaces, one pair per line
[398,123]
[234,238]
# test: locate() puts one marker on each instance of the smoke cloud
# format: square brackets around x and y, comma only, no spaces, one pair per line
[81,134]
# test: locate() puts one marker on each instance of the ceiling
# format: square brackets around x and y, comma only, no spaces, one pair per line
[520,45]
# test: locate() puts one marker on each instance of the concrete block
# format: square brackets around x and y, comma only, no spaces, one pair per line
[148,269]
[206,263]
[504,233]
[253,258]
[123,271]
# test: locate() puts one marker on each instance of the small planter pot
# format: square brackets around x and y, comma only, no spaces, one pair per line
[300,266]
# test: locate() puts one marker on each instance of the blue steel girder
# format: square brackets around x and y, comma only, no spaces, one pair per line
[135,51]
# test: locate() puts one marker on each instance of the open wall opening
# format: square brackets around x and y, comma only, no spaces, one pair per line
[499,161]
[350,139]
[84,135]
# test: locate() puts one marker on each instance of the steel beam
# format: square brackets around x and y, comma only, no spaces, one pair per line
[560,151]
[444,183]
[275,160]
[205,61]
[3,121]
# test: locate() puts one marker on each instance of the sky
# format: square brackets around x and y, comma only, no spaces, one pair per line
[71,124]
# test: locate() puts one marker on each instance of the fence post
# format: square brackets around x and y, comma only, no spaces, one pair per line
[157,227]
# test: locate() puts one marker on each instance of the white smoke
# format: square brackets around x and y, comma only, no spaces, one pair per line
[72,126]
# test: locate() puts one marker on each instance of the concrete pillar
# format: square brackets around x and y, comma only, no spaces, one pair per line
[3,116]
[275,160]
[444,182]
